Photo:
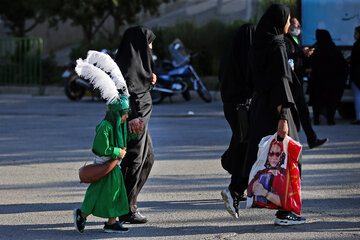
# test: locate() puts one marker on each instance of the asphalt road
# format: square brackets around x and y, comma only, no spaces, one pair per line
[45,140]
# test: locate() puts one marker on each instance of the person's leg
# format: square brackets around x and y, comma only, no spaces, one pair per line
[227,159]
[145,171]
[330,113]
[356,91]
[111,220]
[304,116]
[136,168]
[316,113]
[305,120]
[232,161]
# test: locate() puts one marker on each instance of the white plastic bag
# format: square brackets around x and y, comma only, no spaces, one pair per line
[274,180]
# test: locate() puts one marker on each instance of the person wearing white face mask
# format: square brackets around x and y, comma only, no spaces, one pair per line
[299,55]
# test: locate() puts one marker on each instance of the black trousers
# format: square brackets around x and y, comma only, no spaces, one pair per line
[139,159]
[328,109]
[233,158]
[304,115]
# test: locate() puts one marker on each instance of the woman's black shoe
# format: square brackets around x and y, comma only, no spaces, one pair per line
[317,143]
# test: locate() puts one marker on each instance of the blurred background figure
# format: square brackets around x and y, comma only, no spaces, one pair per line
[299,55]
[328,77]
[236,90]
[355,73]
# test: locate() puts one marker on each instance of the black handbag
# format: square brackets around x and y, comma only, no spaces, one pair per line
[244,118]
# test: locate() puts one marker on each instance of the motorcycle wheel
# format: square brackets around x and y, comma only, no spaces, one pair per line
[203,92]
[186,95]
[157,96]
[72,90]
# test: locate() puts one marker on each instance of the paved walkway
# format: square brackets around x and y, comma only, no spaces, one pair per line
[45,140]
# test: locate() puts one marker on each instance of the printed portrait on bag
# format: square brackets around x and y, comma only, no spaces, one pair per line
[267,186]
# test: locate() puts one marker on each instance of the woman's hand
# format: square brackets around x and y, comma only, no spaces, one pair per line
[153,79]
[122,154]
[308,51]
[136,125]
[283,128]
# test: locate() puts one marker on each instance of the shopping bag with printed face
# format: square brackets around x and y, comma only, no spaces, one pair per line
[274,180]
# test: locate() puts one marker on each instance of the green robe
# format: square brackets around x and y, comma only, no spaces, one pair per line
[107,197]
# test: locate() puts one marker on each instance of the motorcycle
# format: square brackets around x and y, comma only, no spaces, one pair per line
[76,87]
[177,76]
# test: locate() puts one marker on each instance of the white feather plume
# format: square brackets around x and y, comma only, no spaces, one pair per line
[99,79]
[107,64]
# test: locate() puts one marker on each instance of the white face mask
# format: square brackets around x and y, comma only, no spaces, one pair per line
[296,32]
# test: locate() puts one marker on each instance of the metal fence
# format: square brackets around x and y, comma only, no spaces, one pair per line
[20,61]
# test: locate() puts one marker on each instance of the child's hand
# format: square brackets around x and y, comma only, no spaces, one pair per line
[122,154]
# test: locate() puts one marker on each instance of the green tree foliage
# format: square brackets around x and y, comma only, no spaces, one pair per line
[125,11]
[91,17]
[207,41]
[15,15]
[91,14]
[88,14]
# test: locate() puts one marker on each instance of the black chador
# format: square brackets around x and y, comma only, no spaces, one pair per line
[136,64]
[272,79]
[236,89]
[328,77]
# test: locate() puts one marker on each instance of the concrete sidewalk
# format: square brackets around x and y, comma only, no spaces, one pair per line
[45,140]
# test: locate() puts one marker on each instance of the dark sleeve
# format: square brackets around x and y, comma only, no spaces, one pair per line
[133,106]
[280,76]
[289,47]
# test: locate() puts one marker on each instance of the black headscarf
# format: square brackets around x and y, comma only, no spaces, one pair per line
[270,30]
[327,53]
[234,76]
[135,60]
[323,38]
[329,70]
[269,58]
[273,21]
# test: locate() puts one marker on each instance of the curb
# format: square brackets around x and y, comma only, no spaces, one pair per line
[59,91]
[34,91]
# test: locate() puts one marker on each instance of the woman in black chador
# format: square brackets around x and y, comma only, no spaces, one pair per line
[134,59]
[236,89]
[273,99]
[328,77]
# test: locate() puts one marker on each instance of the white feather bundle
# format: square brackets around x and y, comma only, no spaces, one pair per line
[107,64]
[99,79]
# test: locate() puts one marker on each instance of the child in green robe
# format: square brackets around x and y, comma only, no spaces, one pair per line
[107,197]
